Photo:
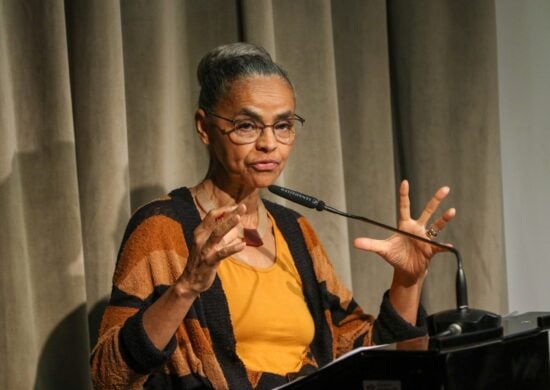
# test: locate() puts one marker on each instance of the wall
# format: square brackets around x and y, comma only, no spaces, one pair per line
[523,33]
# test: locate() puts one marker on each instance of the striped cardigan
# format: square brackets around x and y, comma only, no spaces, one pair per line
[202,352]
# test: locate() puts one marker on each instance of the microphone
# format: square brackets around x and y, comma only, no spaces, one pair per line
[455,322]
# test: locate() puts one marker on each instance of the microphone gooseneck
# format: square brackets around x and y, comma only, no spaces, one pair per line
[319,205]
[443,324]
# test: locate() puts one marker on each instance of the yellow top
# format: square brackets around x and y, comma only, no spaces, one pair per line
[271,321]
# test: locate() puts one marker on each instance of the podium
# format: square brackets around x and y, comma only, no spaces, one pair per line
[515,356]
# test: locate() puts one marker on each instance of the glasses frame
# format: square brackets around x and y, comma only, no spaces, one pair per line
[262,127]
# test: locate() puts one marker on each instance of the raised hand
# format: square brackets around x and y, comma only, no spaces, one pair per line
[410,258]
[219,235]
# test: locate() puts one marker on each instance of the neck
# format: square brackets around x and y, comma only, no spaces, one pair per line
[225,193]
[208,196]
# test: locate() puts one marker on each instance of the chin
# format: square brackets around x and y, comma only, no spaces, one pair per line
[264,180]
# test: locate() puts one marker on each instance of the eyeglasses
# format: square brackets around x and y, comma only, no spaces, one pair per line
[247,130]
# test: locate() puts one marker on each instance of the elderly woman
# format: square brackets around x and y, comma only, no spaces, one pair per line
[215,287]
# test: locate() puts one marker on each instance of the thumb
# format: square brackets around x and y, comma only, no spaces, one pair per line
[369,244]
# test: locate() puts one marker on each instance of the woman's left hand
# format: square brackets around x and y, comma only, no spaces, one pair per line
[410,258]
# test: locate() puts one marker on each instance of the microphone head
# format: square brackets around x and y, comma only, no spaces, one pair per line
[297,197]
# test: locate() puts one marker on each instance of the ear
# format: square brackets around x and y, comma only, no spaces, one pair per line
[201,126]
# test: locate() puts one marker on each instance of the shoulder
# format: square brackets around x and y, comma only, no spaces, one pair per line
[168,206]
[158,220]
[153,232]
[160,209]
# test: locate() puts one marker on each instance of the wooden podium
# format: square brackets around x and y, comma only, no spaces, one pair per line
[515,356]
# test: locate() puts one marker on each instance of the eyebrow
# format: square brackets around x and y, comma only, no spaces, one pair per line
[256,116]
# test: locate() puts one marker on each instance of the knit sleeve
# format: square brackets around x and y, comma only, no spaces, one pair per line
[391,327]
[151,257]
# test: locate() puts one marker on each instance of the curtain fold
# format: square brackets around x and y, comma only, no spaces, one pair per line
[42,263]
[99,117]
[307,51]
[97,101]
[364,103]
[446,118]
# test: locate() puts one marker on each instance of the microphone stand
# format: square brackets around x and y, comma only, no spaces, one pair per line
[463,320]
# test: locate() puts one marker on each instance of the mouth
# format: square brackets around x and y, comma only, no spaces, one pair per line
[264,165]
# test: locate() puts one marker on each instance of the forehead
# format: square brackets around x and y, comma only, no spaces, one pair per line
[262,94]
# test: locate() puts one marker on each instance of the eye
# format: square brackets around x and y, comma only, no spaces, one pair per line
[245,126]
[284,125]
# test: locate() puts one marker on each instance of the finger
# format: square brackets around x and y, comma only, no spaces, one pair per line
[444,219]
[404,201]
[235,233]
[218,222]
[227,233]
[213,252]
[433,204]
[370,244]
[216,216]
[223,228]
[220,229]
[201,270]
[229,250]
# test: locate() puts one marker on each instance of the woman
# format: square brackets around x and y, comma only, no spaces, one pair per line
[215,287]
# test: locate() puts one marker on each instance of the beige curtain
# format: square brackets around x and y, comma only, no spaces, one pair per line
[96,107]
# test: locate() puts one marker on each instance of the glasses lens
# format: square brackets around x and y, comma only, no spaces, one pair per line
[246,130]
[285,130]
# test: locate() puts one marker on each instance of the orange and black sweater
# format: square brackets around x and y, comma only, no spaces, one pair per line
[202,353]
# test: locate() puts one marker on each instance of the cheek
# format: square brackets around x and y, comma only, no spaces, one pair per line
[285,152]
[232,157]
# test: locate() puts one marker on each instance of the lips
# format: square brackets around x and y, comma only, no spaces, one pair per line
[265,165]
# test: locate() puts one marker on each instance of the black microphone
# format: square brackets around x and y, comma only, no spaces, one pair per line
[443,323]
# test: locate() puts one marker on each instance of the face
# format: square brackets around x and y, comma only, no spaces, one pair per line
[255,165]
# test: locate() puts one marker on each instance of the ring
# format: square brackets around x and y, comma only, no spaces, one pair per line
[432,232]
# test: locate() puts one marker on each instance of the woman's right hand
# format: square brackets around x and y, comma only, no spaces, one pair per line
[218,236]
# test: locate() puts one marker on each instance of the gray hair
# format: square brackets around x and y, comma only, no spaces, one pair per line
[225,64]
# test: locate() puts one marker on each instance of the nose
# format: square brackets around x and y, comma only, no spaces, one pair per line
[267,141]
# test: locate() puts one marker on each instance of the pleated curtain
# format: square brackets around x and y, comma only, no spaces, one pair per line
[96,118]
